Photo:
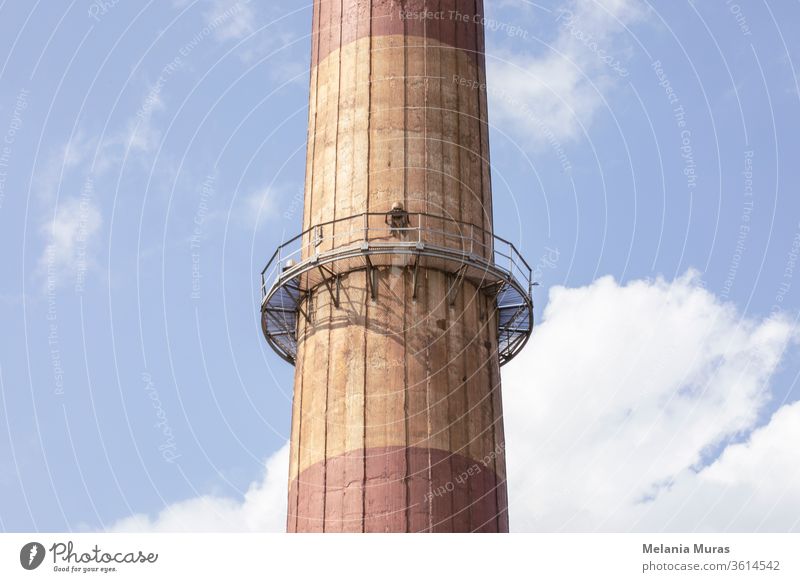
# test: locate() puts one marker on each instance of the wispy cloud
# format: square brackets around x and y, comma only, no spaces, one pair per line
[139,137]
[261,206]
[70,220]
[70,234]
[61,161]
[230,19]
[553,94]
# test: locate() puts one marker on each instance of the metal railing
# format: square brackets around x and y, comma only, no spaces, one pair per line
[418,229]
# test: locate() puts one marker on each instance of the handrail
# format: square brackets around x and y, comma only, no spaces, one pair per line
[512,255]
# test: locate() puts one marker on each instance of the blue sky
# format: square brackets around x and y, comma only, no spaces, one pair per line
[643,160]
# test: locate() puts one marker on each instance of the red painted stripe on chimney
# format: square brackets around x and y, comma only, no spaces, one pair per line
[411,489]
[336,23]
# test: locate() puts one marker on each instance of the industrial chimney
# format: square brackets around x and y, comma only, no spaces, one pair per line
[397,304]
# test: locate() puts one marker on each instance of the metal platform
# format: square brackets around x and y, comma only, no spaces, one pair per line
[318,257]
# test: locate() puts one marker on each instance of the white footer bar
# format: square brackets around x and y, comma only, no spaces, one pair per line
[378,558]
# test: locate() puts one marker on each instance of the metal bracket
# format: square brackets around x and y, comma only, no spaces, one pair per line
[457,278]
[414,280]
[300,309]
[497,285]
[300,294]
[327,282]
[500,286]
[371,278]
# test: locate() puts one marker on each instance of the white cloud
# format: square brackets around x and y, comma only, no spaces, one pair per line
[622,393]
[548,96]
[611,413]
[263,508]
[753,486]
